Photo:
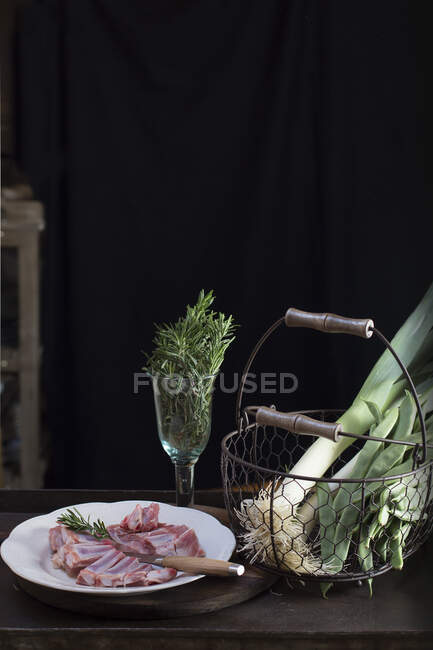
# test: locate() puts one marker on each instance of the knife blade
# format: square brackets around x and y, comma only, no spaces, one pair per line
[204,565]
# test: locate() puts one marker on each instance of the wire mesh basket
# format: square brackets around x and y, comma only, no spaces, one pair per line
[335,527]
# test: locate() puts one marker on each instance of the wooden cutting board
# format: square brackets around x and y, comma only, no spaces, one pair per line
[208,594]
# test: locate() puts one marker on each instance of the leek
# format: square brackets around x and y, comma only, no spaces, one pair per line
[410,340]
[403,499]
[295,504]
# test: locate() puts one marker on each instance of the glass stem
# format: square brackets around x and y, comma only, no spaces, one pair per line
[184,484]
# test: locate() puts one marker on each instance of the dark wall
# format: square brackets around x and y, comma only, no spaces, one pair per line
[267,150]
[8,14]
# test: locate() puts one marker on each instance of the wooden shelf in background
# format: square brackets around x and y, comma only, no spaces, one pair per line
[22,222]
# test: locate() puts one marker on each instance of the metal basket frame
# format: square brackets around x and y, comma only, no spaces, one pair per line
[420,463]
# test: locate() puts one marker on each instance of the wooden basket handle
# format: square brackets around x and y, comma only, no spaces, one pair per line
[298,423]
[331,323]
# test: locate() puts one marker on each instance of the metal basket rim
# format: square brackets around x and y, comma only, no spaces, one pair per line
[315,479]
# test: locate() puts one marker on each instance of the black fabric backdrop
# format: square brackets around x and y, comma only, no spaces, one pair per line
[263,149]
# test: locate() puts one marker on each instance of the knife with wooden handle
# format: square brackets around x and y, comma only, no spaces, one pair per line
[205,565]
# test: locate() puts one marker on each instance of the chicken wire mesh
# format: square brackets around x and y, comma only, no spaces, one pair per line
[324,528]
[341,530]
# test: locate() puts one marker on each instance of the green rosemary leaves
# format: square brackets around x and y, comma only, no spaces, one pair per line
[75,521]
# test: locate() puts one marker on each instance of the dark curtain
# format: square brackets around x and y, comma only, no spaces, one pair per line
[265,149]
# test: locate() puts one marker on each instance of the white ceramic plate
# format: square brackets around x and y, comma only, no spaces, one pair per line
[27,552]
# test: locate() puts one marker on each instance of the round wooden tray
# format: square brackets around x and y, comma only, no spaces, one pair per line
[206,595]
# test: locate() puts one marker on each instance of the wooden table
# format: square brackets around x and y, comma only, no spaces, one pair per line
[398,617]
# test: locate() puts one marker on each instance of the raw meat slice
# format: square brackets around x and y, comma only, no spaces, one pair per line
[148,575]
[57,561]
[115,577]
[78,556]
[156,576]
[60,535]
[188,544]
[133,542]
[162,543]
[73,557]
[88,575]
[56,538]
[116,533]
[174,529]
[156,542]
[141,519]
[71,537]
[169,539]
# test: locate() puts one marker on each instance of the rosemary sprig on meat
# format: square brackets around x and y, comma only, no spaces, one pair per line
[75,521]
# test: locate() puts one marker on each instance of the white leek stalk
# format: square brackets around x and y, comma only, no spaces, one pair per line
[291,531]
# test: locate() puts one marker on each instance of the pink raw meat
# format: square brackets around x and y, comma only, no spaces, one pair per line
[88,575]
[141,519]
[71,537]
[133,542]
[157,542]
[164,539]
[174,529]
[115,577]
[57,561]
[78,556]
[162,543]
[157,576]
[148,575]
[188,544]
[73,557]
[55,537]
[100,562]
[60,535]
[168,539]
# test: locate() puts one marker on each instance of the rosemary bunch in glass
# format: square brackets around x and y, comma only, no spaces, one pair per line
[186,357]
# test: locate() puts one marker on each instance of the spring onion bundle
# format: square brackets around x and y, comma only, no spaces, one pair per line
[386,409]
